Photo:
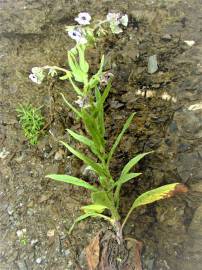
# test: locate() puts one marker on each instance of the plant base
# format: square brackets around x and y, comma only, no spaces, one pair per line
[106,253]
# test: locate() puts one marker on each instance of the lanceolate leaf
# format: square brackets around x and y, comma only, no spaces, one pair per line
[92,130]
[102,198]
[83,63]
[125,178]
[79,75]
[93,208]
[133,162]
[71,107]
[80,138]
[156,194]
[85,141]
[72,180]
[82,217]
[76,89]
[85,159]
[117,141]
[118,184]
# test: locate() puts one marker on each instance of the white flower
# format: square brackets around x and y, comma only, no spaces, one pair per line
[37,75]
[124,20]
[34,78]
[83,18]
[113,17]
[78,36]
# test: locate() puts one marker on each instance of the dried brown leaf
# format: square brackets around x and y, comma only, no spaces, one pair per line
[93,252]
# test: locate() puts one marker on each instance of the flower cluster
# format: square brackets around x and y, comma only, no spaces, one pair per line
[83,33]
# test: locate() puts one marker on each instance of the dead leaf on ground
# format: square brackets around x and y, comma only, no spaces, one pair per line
[93,252]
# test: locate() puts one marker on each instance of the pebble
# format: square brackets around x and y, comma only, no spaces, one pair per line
[10,210]
[152,64]
[190,43]
[21,265]
[20,233]
[39,260]
[59,155]
[50,233]
[4,153]
[166,37]
[34,242]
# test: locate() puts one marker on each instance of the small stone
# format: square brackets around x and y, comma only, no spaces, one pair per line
[166,37]
[51,233]
[34,242]
[20,233]
[10,211]
[4,153]
[190,43]
[152,64]
[39,260]
[22,265]
[59,155]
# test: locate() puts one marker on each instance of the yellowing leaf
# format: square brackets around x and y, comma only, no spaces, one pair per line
[156,194]
[93,208]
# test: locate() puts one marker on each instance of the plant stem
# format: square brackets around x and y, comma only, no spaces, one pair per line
[126,218]
[119,233]
[57,68]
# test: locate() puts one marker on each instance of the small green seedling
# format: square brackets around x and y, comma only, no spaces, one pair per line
[31,121]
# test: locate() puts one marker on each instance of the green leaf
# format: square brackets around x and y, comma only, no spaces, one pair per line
[72,180]
[65,77]
[97,168]
[98,208]
[105,199]
[118,184]
[154,195]
[85,141]
[71,107]
[92,129]
[79,75]
[133,162]
[95,79]
[82,217]
[82,62]
[117,141]
[80,138]
[76,88]
[125,178]
[101,198]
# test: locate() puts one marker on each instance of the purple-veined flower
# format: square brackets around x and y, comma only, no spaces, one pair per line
[105,78]
[83,18]
[37,75]
[34,78]
[83,102]
[77,35]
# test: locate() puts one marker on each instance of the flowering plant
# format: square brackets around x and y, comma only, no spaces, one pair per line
[92,91]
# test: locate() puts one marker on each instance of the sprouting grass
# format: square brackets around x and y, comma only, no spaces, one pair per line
[31,122]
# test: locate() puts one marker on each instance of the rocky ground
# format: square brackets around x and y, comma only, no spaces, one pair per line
[36,212]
